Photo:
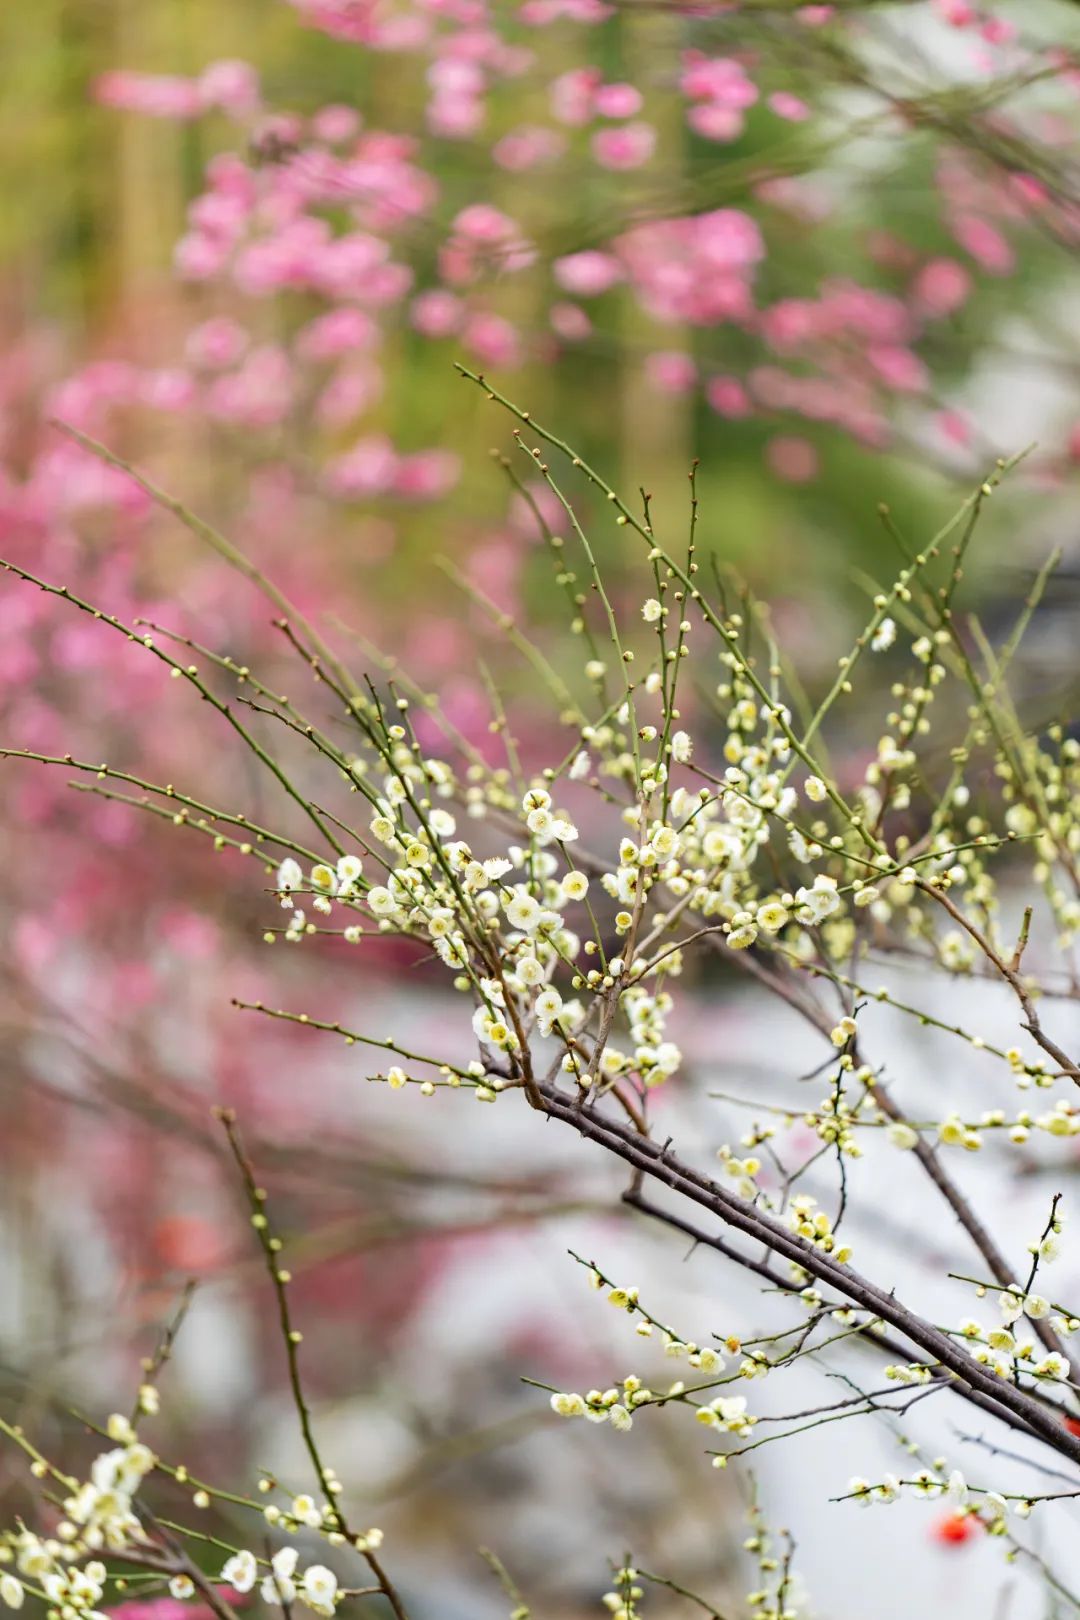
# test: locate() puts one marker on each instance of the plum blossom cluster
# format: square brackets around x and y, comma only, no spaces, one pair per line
[561,891]
[100,1520]
[104,1538]
[617,1404]
[989,1507]
[516,912]
[550,994]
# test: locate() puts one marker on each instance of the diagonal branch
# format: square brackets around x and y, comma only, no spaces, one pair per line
[659,1164]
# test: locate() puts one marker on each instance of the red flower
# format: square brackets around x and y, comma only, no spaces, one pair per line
[956,1527]
[189,1243]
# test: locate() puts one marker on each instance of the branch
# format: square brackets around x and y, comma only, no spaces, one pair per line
[644,1155]
[271,1248]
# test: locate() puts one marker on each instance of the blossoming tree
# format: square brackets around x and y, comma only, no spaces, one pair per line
[664,797]
[568,953]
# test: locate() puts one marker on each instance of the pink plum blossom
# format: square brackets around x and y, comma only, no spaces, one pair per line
[437,313]
[671,371]
[369,468]
[492,340]
[427,475]
[529,146]
[570,322]
[728,397]
[232,86]
[792,459]
[618,100]
[789,107]
[216,343]
[588,273]
[941,287]
[161,95]
[628,147]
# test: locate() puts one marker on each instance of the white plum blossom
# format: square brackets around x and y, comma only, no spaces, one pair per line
[241,1571]
[12,1591]
[548,1006]
[884,636]
[290,877]
[318,1588]
[278,1587]
[523,911]
[575,885]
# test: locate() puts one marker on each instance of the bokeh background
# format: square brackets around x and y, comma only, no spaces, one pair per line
[826,253]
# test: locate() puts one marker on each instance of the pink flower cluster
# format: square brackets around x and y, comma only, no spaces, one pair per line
[697,269]
[229,87]
[720,91]
[581,98]
[345,215]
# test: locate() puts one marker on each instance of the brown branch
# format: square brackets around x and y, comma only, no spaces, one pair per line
[873,1336]
[256,1198]
[924,1153]
[657,1163]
